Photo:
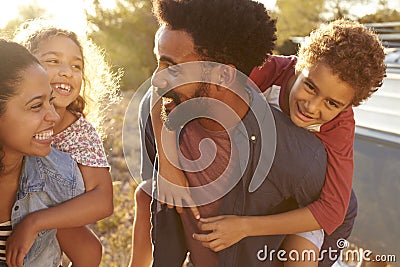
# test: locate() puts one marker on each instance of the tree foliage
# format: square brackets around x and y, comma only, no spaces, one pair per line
[338,9]
[25,12]
[296,18]
[382,14]
[127,35]
[126,32]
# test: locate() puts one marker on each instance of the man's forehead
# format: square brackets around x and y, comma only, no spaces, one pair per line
[175,44]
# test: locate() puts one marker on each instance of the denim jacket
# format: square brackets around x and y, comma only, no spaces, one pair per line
[45,182]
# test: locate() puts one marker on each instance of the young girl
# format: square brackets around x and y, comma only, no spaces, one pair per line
[340,65]
[80,86]
[33,186]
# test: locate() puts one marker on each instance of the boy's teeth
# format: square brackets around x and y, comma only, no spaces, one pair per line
[44,135]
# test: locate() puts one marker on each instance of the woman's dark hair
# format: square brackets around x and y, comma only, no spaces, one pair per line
[237,32]
[15,59]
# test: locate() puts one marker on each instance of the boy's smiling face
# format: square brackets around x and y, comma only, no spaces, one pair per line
[318,96]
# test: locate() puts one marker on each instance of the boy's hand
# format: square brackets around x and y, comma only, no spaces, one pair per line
[226,230]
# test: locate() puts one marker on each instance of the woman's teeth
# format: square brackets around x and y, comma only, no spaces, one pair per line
[44,135]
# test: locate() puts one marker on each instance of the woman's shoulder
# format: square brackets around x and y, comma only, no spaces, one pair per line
[56,162]
[56,157]
[60,162]
[57,174]
[57,165]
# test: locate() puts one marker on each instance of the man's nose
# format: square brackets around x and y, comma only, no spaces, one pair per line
[159,83]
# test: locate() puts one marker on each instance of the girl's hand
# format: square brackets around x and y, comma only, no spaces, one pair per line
[175,193]
[19,242]
[173,187]
[226,230]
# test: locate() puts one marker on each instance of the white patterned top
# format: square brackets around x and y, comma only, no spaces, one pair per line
[83,143]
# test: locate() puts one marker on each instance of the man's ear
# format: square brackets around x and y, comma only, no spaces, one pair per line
[226,75]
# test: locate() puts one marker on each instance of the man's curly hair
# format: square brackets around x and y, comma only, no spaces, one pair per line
[237,32]
[350,51]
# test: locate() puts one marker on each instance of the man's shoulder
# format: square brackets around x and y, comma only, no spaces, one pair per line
[144,118]
[275,70]
[144,105]
[298,148]
[287,131]
[265,117]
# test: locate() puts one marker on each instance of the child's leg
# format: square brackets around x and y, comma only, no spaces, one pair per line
[141,238]
[303,249]
[81,245]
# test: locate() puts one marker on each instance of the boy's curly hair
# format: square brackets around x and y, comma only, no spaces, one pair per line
[100,85]
[349,50]
[237,32]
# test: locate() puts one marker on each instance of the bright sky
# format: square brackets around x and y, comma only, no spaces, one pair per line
[71,12]
[361,9]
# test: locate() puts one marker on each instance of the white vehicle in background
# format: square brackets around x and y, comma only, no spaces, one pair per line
[376,178]
[377,163]
[377,169]
[381,112]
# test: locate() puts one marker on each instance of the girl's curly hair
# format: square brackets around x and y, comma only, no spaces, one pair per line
[351,51]
[100,85]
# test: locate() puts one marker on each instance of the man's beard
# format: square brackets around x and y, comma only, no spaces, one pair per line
[178,119]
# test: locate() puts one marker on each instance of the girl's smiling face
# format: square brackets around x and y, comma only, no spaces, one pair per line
[26,126]
[318,96]
[63,61]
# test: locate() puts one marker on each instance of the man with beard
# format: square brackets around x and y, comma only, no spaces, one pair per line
[257,163]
